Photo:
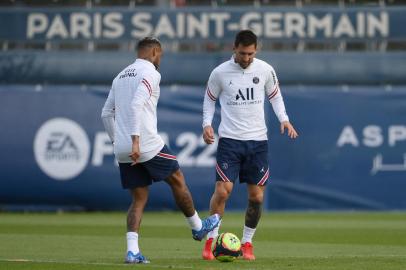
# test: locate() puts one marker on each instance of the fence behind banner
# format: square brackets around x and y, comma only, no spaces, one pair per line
[31,67]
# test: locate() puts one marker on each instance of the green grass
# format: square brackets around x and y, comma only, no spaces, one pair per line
[283,241]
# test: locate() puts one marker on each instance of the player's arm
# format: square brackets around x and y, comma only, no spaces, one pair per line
[139,99]
[275,98]
[209,108]
[107,115]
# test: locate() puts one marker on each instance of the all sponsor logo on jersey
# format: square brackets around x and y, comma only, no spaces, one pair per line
[61,148]
[244,97]
[249,94]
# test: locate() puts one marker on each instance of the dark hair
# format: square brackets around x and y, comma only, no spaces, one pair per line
[148,42]
[245,38]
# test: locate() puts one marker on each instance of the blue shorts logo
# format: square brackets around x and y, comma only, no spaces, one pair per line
[224,166]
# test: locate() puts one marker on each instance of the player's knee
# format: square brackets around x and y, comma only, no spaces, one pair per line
[176,180]
[222,194]
[139,194]
[257,198]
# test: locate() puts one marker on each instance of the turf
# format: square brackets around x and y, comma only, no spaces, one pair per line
[283,241]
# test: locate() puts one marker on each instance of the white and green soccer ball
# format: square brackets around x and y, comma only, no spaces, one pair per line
[227,247]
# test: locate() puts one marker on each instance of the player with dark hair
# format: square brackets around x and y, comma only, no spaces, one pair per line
[129,116]
[241,85]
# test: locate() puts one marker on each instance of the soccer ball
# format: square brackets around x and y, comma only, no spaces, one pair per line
[227,247]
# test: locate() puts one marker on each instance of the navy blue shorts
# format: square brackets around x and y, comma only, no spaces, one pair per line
[144,174]
[246,160]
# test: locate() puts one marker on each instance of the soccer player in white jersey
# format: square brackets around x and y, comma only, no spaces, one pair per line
[241,85]
[129,116]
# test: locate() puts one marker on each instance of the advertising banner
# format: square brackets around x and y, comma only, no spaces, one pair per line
[351,152]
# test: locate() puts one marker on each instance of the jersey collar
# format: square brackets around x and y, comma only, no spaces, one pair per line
[249,69]
[145,62]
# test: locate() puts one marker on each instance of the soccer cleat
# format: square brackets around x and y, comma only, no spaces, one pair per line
[208,225]
[207,253]
[247,251]
[137,258]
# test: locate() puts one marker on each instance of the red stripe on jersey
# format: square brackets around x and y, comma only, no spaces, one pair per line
[210,95]
[222,175]
[146,83]
[264,178]
[163,155]
[274,92]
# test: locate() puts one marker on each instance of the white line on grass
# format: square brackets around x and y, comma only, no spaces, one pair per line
[91,263]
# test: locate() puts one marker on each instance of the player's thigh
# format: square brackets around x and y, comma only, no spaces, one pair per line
[163,165]
[255,167]
[228,159]
[134,176]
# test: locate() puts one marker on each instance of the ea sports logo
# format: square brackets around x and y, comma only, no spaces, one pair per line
[61,148]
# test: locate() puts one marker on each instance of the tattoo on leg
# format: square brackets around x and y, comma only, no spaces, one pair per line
[253,214]
[181,193]
[185,202]
[132,225]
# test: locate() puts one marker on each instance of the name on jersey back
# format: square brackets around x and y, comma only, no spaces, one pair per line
[128,73]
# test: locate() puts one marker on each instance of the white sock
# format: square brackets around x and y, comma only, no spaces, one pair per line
[247,234]
[132,242]
[195,222]
[213,234]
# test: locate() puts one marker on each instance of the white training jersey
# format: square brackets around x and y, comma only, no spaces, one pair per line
[242,93]
[130,109]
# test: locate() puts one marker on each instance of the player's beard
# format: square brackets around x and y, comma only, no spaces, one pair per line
[244,65]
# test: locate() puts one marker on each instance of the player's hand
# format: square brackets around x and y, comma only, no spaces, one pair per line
[208,134]
[291,130]
[135,152]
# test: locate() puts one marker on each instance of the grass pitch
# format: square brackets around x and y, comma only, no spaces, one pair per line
[283,241]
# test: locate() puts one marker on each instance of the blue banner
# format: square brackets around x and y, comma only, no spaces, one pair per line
[202,23]
[351,153]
